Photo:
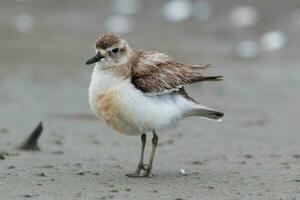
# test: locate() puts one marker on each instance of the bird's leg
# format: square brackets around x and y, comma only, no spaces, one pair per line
[148,170]
[141,162]
[140,166]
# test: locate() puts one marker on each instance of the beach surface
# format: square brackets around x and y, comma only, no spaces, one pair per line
[253,154]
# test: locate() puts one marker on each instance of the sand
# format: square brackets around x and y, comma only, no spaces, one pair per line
[252,154]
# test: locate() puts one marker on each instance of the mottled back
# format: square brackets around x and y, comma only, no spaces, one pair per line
[154,72]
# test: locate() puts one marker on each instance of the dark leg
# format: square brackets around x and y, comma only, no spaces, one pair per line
[140,166]
[148,171]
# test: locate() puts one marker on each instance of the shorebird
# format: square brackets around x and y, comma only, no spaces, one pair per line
[137,92]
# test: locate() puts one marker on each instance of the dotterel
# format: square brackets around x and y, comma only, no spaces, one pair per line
[137,92]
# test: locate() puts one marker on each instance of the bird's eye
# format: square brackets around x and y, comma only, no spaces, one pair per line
[115,50]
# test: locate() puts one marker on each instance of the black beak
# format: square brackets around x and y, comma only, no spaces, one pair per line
[94,59]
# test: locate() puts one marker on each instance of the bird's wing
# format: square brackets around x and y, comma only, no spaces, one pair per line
[156,73]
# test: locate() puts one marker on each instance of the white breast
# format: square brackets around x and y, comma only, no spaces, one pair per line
[130,111]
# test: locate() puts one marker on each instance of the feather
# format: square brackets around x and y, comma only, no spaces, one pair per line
[154,72]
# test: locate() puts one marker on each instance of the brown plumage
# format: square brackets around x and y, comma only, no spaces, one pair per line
[106,41]
[154,72]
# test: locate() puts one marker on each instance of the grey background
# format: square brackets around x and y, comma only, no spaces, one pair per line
[252,154]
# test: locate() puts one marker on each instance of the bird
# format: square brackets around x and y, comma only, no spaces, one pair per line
[137,92]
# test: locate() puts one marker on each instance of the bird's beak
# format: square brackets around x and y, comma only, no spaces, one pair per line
[94,59]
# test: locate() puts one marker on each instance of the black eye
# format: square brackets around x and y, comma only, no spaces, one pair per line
[115,50]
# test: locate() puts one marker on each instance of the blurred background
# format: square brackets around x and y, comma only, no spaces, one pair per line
[255,44]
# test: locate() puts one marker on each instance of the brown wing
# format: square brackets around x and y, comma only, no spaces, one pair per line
[155,72]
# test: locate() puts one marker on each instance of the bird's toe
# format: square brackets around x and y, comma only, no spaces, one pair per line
[133,175]
[147,173]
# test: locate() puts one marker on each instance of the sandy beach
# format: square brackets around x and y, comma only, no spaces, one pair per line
[253,154]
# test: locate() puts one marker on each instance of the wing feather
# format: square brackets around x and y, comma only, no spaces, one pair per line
[157,73]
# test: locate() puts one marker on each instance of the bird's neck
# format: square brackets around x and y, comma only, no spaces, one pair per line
[117,71]
[105,78]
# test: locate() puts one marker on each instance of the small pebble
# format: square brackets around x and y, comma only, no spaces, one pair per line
[42,175]
[198,163]
[248,156]
[81,173]
[27,196]
[2,157]
[182,171]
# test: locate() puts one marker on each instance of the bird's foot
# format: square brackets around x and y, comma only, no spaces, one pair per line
[147,173]
[133,175]
[137,172]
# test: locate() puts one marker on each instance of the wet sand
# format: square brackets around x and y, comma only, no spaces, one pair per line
[253,154]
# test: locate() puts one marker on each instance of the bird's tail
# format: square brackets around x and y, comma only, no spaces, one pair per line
[207,78]
[205,112]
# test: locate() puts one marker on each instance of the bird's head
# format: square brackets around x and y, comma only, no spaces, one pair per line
[111,51]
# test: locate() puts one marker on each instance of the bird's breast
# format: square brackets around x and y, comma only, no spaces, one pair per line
[127,110]
[111,107]
[108,108]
